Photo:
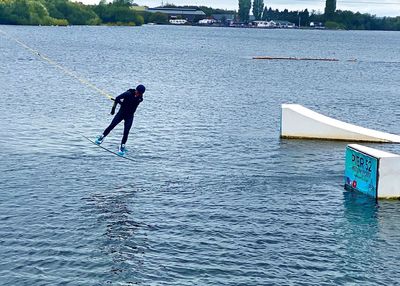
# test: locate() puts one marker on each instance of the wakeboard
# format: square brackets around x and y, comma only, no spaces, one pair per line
[108,150]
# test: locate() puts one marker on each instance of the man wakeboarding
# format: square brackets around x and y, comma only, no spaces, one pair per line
[129,101]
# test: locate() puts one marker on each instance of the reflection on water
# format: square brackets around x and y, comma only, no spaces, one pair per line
[360,210]
[367,237]
[115,213]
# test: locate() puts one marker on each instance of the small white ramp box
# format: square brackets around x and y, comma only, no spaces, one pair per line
[372,172]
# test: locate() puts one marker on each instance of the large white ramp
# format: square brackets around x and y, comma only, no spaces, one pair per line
[299,122]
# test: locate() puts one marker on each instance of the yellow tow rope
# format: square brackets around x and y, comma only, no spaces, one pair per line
[57,65]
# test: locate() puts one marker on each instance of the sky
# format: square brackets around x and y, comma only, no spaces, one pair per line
[375,7]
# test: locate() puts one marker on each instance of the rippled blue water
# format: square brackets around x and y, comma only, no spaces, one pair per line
[213,196]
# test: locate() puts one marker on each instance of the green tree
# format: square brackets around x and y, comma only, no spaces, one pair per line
[122,2]
[77,14]
[334,26]
[19,11]
[27,12]
[52,9]
[258,8]
[3,12]
[159,18]
[244,10]
[305,18]
[38,13]
[330,8]
[119,14]
[265,15]
[124,15]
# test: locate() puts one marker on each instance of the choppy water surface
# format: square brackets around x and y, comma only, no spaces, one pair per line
[213,196]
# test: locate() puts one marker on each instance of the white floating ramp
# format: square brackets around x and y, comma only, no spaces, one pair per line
[372,172]
[298,122]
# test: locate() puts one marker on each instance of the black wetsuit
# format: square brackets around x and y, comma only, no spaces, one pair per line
[129,103]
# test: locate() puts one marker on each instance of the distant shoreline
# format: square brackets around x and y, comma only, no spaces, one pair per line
[124,13]
[203,26]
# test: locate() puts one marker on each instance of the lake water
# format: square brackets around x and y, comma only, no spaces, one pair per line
[213,196]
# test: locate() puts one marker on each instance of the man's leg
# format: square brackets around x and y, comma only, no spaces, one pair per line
[116,120]
[127,127]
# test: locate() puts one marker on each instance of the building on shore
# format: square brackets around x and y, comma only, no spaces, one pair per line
[207,22]
[318,25]
[178,21]
[190,15]
[273,24]
[184,16]
[284,24]
[264,24]
[224,19]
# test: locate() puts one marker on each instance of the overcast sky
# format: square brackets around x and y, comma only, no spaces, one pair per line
[374,7]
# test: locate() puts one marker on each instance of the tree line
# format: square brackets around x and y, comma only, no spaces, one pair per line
[65,12]
[120,12]
[332,18]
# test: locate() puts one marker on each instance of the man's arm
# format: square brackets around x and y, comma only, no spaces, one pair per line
[117,100]
[113,107]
